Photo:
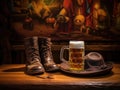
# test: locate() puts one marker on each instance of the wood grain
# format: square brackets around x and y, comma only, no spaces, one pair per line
[13,76]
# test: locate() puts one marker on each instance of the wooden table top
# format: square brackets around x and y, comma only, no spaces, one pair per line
[13,75]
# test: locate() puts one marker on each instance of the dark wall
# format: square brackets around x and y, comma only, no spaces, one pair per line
[9,37]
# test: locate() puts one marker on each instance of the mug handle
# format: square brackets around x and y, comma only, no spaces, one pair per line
[62,52]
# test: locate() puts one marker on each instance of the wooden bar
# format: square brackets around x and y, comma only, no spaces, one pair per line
[12,76]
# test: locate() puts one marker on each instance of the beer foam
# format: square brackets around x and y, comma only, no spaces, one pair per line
[76,44]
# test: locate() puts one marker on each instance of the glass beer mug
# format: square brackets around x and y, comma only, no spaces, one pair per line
[76,55]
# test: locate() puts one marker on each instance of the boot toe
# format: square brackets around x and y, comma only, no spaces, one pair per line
[50,68]
[35,70]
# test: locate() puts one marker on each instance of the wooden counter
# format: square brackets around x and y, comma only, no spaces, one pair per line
[13,77]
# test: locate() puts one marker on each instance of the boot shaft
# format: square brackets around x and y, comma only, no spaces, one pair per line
[44,41]
[45,49]
[31,42]
[31,48]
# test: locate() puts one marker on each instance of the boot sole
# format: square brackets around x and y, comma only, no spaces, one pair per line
[35,72]
[52,70]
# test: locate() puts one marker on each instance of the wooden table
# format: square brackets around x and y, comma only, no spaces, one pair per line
[13,77]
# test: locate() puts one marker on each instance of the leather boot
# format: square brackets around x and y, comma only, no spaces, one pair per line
[46,54]
[33,64]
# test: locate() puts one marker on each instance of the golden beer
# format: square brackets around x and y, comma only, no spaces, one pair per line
[76,54]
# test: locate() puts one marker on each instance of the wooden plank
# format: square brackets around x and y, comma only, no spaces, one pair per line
[13,76]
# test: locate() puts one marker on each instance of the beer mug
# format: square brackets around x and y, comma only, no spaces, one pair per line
[76,55]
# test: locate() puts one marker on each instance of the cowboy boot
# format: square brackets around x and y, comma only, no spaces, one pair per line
[46,54]
[33,64]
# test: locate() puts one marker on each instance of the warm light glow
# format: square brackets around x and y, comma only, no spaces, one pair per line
[96,5]
[102,12]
